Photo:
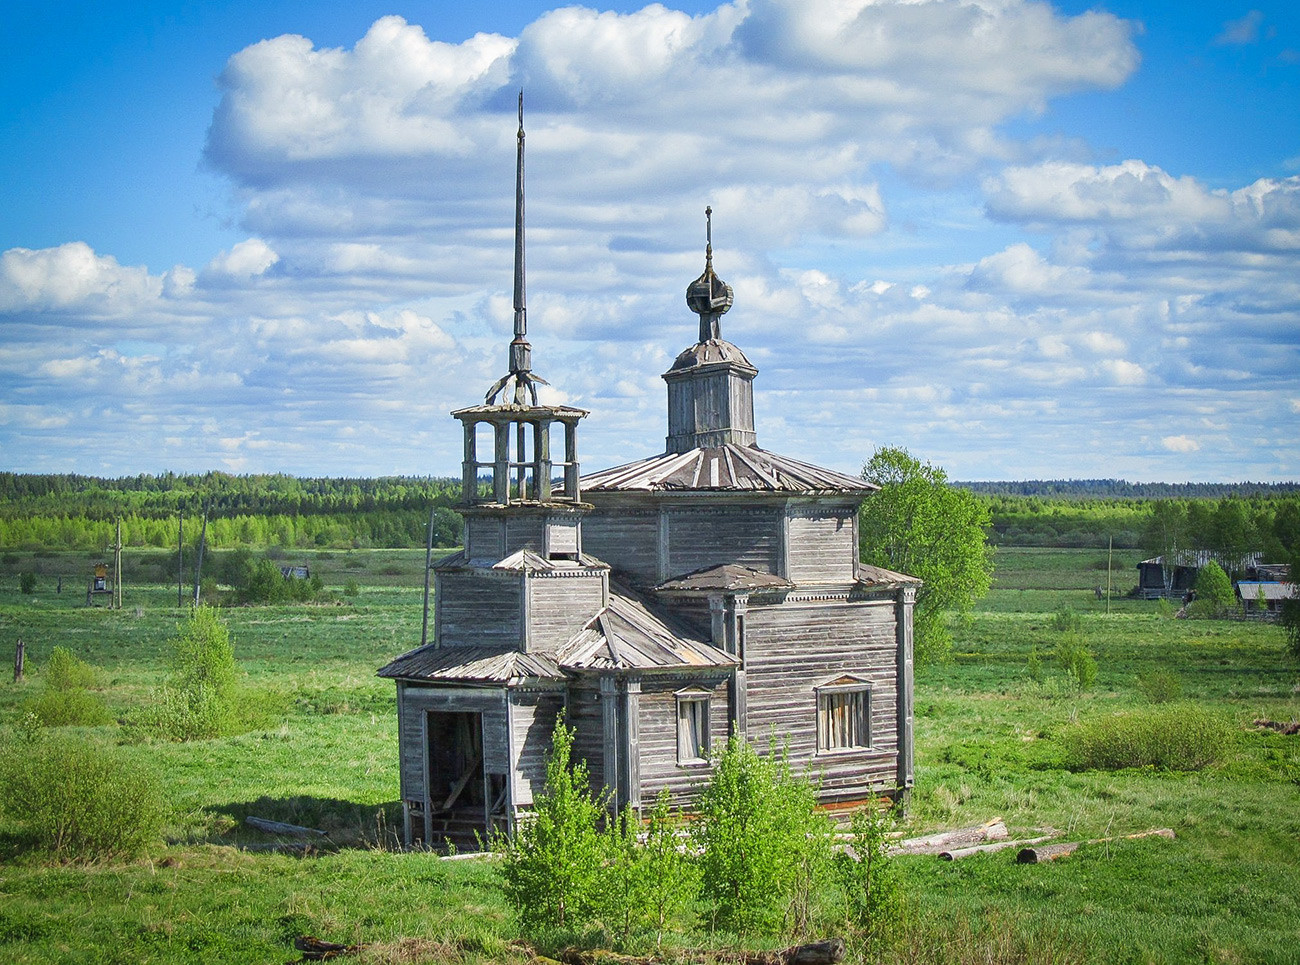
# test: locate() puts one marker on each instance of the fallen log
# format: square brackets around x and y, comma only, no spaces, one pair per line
[279,827]
[316,950]
[1290,729]
[828,952]
[955,854]
[992,830]
[1051,852]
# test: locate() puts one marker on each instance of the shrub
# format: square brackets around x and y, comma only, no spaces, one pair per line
[351,587]
[199,699]
[764,845]
[1077,661]
[1066,620]
[64,699]
[1176,738]
[78,800]
[27,582]
[645,886]
[552,864]
[1160,686]
[872,891]
[1214,594]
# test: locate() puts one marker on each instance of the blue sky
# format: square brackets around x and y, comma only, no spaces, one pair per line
[1021,240]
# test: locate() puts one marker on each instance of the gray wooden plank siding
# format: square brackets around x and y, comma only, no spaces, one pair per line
[792,649]
[711,536]
[658,739]
[626,540]
[821,546]
[479,610]
[525,531]
[485,538]
[560,606]
[583,713]
[532,723]
[417,701]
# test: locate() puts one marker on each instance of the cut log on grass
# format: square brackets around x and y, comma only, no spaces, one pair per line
[279,827]
[993,830]
[315,950]
[956,854]
[1051,852]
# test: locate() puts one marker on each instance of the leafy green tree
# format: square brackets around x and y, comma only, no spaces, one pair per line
[1213,591]
[1234,536]
[919,525]
[27,582]
[873,894]
[199,699]
[552,863]
[763,844]
[66,700]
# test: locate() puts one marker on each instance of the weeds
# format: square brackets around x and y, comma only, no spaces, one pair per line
[1176,738]
[75,799]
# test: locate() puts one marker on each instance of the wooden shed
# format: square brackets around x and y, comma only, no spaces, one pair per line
[711,589]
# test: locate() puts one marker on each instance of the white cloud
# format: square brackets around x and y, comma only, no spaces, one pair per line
[244,262]
[72,276]
[1180,444]
[1242,31]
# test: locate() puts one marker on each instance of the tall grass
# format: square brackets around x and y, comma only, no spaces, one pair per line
[1182,737]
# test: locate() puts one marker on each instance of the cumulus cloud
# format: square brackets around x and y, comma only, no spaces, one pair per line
[244,261]
[1180,444]
[1148,206]
[70,277]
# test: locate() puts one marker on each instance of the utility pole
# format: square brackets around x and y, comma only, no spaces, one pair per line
[117,565]
[1110,551]
[180,559]
[203,539]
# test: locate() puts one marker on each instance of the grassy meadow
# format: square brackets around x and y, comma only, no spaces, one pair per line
[992,728]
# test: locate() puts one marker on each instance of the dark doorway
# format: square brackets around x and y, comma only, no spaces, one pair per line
[457,809]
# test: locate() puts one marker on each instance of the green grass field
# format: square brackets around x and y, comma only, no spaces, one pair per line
[323,752]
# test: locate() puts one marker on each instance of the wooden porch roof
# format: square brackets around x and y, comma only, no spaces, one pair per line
[471,665]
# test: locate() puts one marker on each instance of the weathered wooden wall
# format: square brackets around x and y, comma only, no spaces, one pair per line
[793,648]
[477,609]
[822,544]
[532,722]
[416,701]
[560,605]
[584,715]
[658,737]
[625,537]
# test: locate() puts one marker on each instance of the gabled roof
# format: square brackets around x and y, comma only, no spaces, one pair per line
[633,634]
[471,665]
[729,576]
[1272,592]
[728,467]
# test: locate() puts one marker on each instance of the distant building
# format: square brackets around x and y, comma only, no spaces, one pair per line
[1264,599]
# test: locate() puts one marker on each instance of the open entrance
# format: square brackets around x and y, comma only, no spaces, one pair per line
[462,798]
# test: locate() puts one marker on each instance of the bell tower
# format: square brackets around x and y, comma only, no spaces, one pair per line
[711,384]
[520,445]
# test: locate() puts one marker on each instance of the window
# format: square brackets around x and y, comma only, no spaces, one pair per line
[692,726]
[844,715]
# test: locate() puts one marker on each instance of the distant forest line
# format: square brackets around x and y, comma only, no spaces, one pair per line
[76,512]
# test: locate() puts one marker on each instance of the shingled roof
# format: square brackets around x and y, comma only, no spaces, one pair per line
[471,665]
[728,467]
[632,634]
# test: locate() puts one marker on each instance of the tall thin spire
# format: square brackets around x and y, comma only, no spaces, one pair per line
[521,353]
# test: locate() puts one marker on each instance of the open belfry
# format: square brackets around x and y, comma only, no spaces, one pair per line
[661,606]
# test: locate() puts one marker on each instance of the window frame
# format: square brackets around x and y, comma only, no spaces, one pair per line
[857,691]
[699,700]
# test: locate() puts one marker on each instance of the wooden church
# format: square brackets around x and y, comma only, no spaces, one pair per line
[711,589]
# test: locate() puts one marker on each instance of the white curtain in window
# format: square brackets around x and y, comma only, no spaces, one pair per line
[692,728]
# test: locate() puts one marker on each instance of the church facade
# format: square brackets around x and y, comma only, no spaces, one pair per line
[711,589]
